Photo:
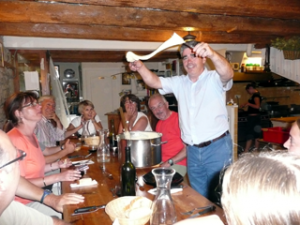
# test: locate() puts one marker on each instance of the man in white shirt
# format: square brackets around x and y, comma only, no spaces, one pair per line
[202,112]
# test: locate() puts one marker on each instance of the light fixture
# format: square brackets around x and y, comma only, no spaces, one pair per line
[189,37]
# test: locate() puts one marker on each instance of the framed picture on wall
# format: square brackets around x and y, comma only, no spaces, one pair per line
[126,78]
[1,55]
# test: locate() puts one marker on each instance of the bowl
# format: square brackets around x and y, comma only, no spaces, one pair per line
[92,141]
[120,208]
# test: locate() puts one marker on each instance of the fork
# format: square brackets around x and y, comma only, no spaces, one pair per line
[193,210]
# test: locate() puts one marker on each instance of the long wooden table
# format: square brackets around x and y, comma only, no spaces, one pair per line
[101,194]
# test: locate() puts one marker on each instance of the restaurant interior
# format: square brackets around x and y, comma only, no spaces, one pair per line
[75,50]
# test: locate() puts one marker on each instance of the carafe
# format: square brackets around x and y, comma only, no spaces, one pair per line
[163,210]
[103,154]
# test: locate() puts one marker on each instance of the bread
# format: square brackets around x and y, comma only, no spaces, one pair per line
[137,213]
[84,181]
[137,208]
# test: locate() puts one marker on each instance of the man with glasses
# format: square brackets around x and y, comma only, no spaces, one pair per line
[174,151]
[202,112]
[11,184]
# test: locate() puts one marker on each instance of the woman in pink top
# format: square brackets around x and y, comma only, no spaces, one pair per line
[24,111]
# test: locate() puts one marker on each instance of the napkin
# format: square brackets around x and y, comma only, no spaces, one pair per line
[153,191]
[75,185]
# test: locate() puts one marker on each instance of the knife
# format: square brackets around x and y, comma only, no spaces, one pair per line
[88,209]
[210,209]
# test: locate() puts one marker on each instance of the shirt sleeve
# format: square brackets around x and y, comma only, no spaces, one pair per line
[168,85]
[17,213]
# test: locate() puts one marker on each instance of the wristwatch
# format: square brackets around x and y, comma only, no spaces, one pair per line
[46,192]
[170,161]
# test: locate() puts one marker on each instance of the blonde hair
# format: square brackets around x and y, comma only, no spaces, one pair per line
[262,189]
[83,104]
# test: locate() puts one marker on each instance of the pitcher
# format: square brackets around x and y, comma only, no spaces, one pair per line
[163,210]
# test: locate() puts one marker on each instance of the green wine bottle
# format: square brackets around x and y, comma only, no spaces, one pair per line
[128,176]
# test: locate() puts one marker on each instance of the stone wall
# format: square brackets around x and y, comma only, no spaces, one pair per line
[6,84]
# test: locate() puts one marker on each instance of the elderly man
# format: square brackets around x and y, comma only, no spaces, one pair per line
[202,112]
[174,151]
[49,130]
[11,184]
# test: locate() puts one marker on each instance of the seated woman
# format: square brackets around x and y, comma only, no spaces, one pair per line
[89,118]
[136,120]
[24,111]
[261,189]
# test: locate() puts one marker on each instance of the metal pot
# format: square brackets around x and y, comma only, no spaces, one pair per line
[145,148]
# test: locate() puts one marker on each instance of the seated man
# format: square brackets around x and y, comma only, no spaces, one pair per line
[12,212]
[49,130]
[174,151]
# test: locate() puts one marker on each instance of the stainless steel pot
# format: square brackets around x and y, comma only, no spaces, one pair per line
[145,147]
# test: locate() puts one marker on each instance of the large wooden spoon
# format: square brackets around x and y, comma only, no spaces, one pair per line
[125,126]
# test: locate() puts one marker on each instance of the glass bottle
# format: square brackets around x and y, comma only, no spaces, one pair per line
[103,153]
[128,175]
[163,210]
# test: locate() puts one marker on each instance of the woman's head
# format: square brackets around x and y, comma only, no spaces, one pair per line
[250,88]
[262,189]
[130,100]
[293,143]
[85,108]
[18,102]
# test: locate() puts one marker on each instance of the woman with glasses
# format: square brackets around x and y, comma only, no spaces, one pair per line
[24,111]
[89,119]
[136,120]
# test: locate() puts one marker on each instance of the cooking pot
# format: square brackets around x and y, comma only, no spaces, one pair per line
[145,147]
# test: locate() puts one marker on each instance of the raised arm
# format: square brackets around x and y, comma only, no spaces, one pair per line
[222,66]
[150,78]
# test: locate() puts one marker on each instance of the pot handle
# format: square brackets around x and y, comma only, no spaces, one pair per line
[163,142]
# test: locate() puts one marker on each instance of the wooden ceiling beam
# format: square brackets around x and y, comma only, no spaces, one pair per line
[105,56]
[40,12]
[255,8]
[99,32]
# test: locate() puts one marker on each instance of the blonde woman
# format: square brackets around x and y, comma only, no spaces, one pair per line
[89,118]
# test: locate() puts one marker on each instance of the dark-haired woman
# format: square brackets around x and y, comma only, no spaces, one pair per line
[253,119]
[24,111]
[136,120]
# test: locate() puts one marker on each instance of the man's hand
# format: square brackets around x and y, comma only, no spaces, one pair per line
[165,164]
[203,50]
[58,201]
[136,65]
[69,146]
[64,163]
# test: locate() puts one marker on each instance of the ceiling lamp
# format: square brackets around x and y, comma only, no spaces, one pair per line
[189,37]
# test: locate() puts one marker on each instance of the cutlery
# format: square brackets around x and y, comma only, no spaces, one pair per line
[79,156]
[193,210]
[209,209]
[88,209]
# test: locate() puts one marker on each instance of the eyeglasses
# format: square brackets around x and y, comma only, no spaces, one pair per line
[21,156]
[31,104]
[159,106]
[192,56]
[129,102]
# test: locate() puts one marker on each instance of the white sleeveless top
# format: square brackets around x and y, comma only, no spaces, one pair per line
[139,115]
